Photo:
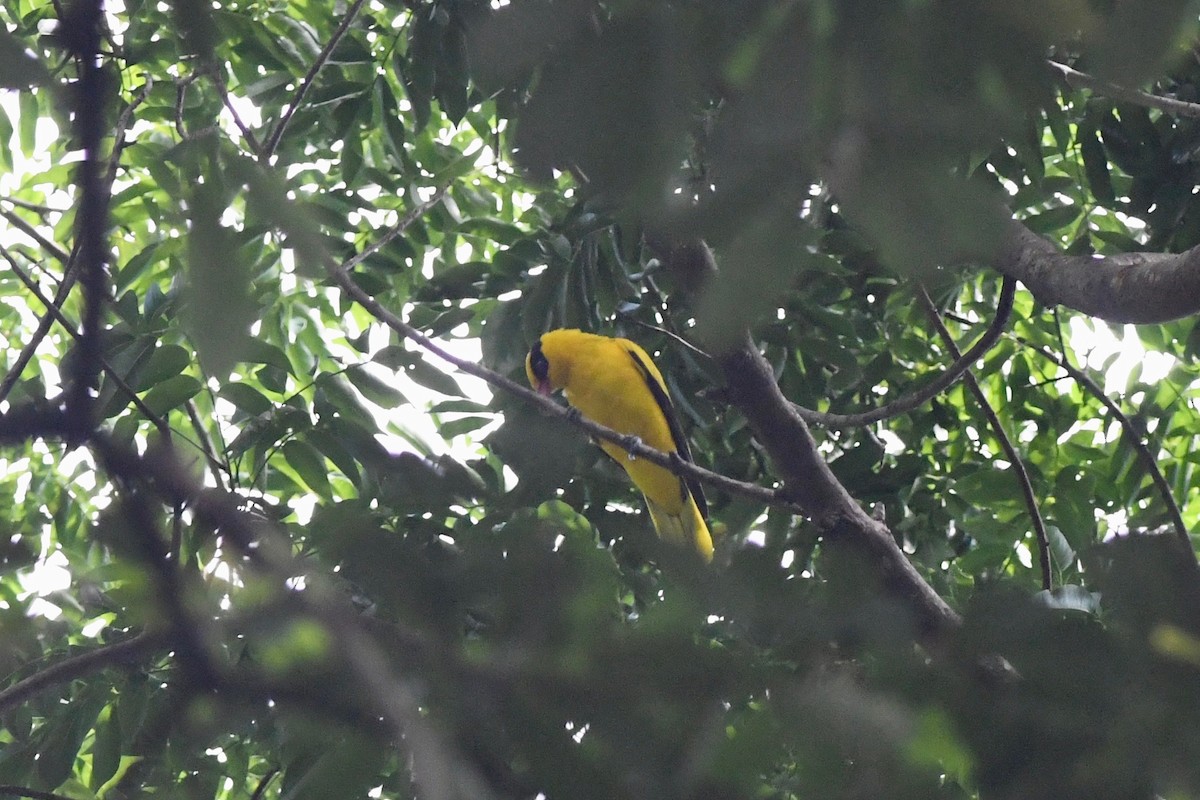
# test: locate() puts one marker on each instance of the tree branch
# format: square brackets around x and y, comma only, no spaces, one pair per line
[1014,458]
[809,481]
[82,34]
[55,312]
[960,367]
[1128,287]
[1081,80]
[631,444]
[32,794]
[247,134]
[215,465]
[1149,462]
[50,247]
[273,140]
[130,651]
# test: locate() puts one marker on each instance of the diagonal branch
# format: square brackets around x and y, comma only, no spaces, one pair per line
[62,256]
[391,233]
[1014,458]
[128,651]
[273,140]
[807,479]
[1149,462]
[1081,80]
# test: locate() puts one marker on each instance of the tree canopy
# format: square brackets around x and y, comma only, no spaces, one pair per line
[282,520]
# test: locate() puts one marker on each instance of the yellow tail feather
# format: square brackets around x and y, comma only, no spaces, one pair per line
[686,528]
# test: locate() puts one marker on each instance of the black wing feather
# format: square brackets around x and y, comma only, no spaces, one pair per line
[681,444]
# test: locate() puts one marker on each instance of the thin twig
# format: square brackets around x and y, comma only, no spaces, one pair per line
[61,255]
[400,227]
[1014,458]
[943,381]
[128,651]
[1082,80]
[631,444]
[1149,462]
[37,208]
[675,337]
[206,445]
[306,84]
[223,90]
[122,127]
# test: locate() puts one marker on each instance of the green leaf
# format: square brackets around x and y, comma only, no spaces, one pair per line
[172,393]
[309,465]
[1060,549]
[260,352]
[425,374]
[29,113]
[462,425]
[218,308]
[65,736]
[1053,219]
[167,361]
[1095,165]
[246,398]
[106,750]
[374,389]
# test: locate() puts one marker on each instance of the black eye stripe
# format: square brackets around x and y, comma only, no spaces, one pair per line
[538,362]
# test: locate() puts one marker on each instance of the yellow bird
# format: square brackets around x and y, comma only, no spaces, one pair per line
[613,382]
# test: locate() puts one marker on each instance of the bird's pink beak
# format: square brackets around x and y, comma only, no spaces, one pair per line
[544,387]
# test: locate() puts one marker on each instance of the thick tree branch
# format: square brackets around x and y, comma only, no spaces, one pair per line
[82,33]
[806,477]
[810,482]
[1128,287]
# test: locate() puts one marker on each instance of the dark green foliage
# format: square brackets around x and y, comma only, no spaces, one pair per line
[531,635]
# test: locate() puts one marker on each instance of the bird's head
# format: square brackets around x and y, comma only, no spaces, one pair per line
[551,359]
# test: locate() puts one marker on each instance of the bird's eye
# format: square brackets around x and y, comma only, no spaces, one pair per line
[538,362]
